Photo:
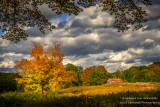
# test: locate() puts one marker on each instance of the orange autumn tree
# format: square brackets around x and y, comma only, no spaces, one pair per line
[73,77]
[86,75]
[45,70]
[95,75]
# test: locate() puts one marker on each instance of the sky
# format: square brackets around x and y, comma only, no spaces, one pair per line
[89,39]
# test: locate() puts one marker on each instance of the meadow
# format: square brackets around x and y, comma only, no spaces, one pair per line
[106,95]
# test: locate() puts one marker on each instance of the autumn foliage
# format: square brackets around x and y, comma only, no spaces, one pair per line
[94,75]
[150,73]
[44,71]
[77,70]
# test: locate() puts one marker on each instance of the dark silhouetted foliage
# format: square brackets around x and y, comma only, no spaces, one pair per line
[111,100]
[15,15]
[7,82]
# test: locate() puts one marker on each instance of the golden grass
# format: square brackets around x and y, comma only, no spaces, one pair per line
[106,89]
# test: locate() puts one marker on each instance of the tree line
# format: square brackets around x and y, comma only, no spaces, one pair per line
[95,75]
[150,73]
[44,71]
[7,82]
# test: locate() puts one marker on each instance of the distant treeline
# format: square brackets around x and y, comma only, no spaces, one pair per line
[150,73]
[7,82]
[95,75]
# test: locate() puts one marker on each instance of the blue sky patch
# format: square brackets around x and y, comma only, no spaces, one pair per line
[63,17]
[1,33]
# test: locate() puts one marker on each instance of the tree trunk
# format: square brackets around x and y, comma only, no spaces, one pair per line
[42,88]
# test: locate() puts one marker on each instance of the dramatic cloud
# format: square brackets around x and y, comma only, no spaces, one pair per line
[90,39]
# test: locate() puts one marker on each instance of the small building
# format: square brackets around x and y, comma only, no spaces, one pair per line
[114,80]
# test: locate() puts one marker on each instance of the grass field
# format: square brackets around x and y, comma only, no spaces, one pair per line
[107,95]
[106,89]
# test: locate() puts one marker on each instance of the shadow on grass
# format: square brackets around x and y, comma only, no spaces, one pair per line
[127,99]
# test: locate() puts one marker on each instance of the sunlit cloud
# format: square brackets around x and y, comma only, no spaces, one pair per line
[90,39]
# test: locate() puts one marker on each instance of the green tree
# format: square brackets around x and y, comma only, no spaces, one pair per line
[149,73]
[117,74]
[94,75]
[98,76]
[110,75]
[78,70]
[154,71]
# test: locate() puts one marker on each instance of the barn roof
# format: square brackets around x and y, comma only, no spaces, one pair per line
[115,80]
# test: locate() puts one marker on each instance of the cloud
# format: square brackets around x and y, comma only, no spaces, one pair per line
[90,39]
[154,19]
[94,17]
[47,12]
[148,41]
[7,64]
[7,59]
[7,70]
